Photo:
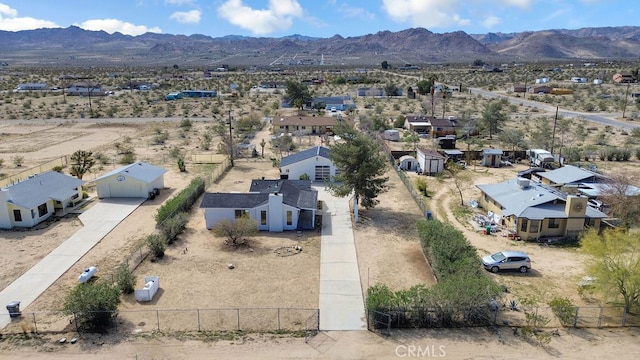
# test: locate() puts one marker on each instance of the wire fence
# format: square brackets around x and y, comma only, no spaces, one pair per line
[44,167]
[173,320]
[415,194]
[532,316]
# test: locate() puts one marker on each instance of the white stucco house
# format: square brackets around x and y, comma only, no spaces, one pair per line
[314,162]
[275,205]
[431,162]
[31,201]
[137,180]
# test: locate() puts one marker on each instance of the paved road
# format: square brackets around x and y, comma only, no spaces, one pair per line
[600,118]
[341,301]
[97,221]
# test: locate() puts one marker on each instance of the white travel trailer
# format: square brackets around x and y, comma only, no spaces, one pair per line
[540,157]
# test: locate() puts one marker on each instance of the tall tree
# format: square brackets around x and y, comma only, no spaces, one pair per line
[423,87]
[493,117]
[297,94]
[236,231]
[619,195]
[432,78]
[614,263]
[513,138]
[81,163]
[461,179]
[361,166]
[391,89]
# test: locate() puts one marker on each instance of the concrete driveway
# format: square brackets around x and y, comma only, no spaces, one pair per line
[97,221]
[341,302]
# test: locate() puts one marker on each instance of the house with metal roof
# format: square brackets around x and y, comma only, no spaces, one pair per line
[314,162]
[308,125]
[569,175]
[32,201]
[430,162]
[532,210]
[275,205]
[137,180]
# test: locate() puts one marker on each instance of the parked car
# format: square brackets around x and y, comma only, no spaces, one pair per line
[507,260]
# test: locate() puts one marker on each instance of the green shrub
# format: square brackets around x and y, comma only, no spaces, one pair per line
[157,243]
[125,279]
[93,304]
[564,310]
[174,226]
[182,201]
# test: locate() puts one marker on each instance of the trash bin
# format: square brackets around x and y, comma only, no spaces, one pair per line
[429,216]
[14,309]
[489,229]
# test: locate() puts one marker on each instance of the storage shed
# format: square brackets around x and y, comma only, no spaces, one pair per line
[491,157]
[138,180]
[408,163]
[430,161]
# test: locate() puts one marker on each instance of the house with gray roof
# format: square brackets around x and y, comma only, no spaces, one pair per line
[137,180]
[314,162]
[569,175]
[532,210]
[275,205]
[32,201]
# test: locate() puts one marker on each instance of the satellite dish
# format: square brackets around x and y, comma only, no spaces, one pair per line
[617,77]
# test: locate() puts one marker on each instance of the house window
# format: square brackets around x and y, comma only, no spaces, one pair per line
[554,223]
[241,213]
[263,217]
[42,210]
[486,198]
[523,225]
[289,217]
[17,215]
[535,226]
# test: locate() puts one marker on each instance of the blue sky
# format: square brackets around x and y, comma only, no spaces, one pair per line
[319,18]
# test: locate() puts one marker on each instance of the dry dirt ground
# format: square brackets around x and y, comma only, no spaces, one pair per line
[194,273]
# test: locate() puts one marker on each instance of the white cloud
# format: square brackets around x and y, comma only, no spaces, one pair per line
[6,10]
[9,21]
[278,16]
[179,2]
[356,12]
[114,25]
[491,21]
[425,13]
[186,17]
[523,4]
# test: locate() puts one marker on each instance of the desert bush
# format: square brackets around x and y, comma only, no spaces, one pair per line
[186,124]
[421,185]
[125,279]
[157,244]
[17,160]
[564,310]
[174,226]
[93,305]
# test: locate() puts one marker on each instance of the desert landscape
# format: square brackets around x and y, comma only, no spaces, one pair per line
[194,273]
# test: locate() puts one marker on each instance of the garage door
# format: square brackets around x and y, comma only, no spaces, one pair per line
[322,173]
[125,189]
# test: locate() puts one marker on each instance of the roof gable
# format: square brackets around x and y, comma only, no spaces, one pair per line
[139,170]
[304,155]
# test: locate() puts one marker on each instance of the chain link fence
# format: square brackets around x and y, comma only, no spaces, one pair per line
[174,320]
[533,316]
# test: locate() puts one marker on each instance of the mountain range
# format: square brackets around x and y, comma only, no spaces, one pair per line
[74,46]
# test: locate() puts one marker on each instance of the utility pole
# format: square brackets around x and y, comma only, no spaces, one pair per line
[230,139]
[626,96]
[553,137]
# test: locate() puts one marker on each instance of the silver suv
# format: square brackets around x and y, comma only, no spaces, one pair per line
[507,260]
